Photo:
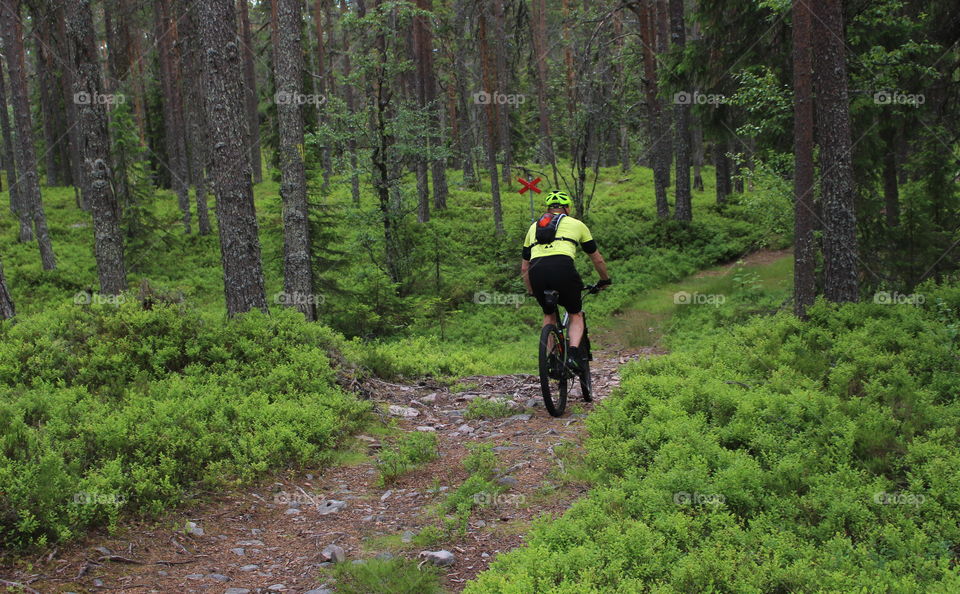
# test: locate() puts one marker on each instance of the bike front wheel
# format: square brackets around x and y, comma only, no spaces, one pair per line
[553,372]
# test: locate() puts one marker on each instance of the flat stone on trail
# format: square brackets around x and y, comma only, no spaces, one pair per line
[407,536]
[292,511]
[426,428]
[441,558]
[331,506]
[319,591]
[386,495]
[250,543]
[429,398]
[236,591]
[508,481]
[250,567]
[193,529]
[238,551]
[219,577]
[278,588]
[334,554]
[403,411]
[465,428]
[522,417]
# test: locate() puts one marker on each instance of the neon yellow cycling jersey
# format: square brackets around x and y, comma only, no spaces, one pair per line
[570,234]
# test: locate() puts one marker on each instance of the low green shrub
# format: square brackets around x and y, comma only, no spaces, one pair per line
[106,409]
[412,450]
[778,456]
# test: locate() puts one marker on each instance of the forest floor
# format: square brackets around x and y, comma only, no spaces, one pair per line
[272,536]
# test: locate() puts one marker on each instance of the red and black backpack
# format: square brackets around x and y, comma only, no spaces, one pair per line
[547,229]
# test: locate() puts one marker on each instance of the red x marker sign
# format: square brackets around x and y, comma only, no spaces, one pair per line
[529,185]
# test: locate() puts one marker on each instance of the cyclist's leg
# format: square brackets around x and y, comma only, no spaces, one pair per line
[576,329]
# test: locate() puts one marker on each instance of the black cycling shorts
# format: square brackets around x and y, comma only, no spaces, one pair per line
[559,274]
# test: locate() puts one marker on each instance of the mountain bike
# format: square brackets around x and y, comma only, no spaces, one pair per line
[554,372]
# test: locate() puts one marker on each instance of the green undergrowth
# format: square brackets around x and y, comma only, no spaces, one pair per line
[109,409]
[772,456]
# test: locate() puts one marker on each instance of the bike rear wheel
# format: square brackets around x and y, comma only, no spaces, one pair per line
[586,382]
[553,372]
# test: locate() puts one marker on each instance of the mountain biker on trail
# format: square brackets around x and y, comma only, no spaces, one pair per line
[548,251]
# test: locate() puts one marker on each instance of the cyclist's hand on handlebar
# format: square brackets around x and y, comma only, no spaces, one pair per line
[603,283]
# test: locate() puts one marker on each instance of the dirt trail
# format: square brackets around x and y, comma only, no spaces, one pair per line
[271,537]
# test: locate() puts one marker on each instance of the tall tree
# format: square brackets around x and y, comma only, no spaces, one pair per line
[656,133]
[678,35]
[9,161]
[173,120]
[7,309]
[836,161]
[288,66]
[196,126]
[252,105]
[223,87]
[489,76]
[804,286]
[28,180]
[350,99]
[427,95]
[95,149]
[538,40]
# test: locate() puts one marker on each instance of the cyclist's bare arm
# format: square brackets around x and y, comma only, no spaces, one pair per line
[600,265]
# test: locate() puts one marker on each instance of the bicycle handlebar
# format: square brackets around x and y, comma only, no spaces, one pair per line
[595,288]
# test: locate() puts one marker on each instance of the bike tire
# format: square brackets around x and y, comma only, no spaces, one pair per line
[554,390]
[586,382]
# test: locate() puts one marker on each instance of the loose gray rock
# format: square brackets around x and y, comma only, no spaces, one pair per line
[429,398]
[250,567]
[163,573]
[238,551]
[219,577]
[521,417]
[256,531]
[426,429]
[384,556]
[440,558]
[465,428]
[331,506]
[98,583]
[277,588]
[508,481]
[292,511]
[250,543]
[195,576]
[403,411]
[236,591]
[319,591]
[386,495]
[193,529]
[334,554]
[407,536]
[534,402]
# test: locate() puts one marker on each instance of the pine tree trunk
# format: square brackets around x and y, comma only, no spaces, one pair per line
[891,186]
[108,240]
[252,103]
[804,253]
[9,161]
[224,94]
[28,179]
[538,39]
[174,132]
[7,310]
[70,111]
[351,107]
[665,148]
[836,161]
[698,156]
[684,208]
[288,66]
[655,117]
[48,101]
[490,111]
[428,81]
[197,150]
[320,87]
[503,84]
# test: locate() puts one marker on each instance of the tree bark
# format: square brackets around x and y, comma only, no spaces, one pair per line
[698,155]
[891,185]
[320,86]
[223,86]
[428,80]
[655,118]
[252,103]
[538,37]
[684,209]
[288,66]
[28,179]
[836,161]
[721,164]
[804,254]
[174,132]
[95,150]
[9,161]
[196,128]
[350,99]
[490,111]
[7,310]
[503,85]
[48,100]
[70,111]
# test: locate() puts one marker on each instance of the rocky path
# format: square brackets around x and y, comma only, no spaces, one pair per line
[276,536]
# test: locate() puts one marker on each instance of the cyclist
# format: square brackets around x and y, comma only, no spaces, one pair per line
[548,251]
